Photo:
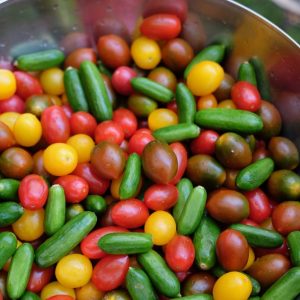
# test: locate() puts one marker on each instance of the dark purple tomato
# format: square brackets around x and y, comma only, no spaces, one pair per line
[198,283]
[224,89]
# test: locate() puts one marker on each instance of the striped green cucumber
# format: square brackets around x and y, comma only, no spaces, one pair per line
[195,297]
[293,239]
[163,279]
[139,285]
[214,53]
[192,211]
[184,187]
[177,133]
[95,91]
[152,89]
[10,212]
[186,104]
[236,120]
[65,239]
[246,72]
[74,90]
[255,174]
[205,239]
[9,189]
[55,211]
[8,246]
[132,177]
[30,296]
[126,243]
[40,61]
[287,287]
[96,204]
[19,271]
[259,237]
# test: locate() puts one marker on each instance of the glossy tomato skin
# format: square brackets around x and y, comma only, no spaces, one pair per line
[127,120]
[76,57]
[161,196]
[55,124]
[33,192]
[76,188]
[249,222]
[89,245]
[110,272]
[182,160]
[14,103]
[139,140]
[121,80]
[198,283]
[205,143]
[39,277]
[131,213]
[83,122]
[180,253]
[97,184]
[7,138]
[109,131]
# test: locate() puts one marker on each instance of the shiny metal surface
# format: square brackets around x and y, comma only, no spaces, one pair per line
[30,25]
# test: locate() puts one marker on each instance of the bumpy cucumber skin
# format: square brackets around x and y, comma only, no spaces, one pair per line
[9,213]
[9,189]
[293,242]
[186,104]
[246,72]
[8,246]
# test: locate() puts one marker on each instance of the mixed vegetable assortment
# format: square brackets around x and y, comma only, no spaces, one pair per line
[145,171]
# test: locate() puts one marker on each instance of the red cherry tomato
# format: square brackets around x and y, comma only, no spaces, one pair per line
[246,96]
[260,208]
[97,184]
[33,192]
[55,124]
[161,27]
[172,106]
[180,253]
[131,213]
[161,196]
[89,245]
[249,222]
[27,85]
[138,141]
[110,272]
[76,188]
[109,131]
[1,296]
[182,158]
[39,277]
[12,104]
[67,110]
[283,249]
[127,120]
[60,297]
[83,122]
[205,142]
[121,80]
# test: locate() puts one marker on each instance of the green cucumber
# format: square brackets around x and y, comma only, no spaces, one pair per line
[246,72]
[255,174]
[65,239]
[195,297]
[55,212]
[74,90]
[192,211]
[287,287]
[213,53]
[259,237]
[235,120]
[10,212]
[163,279]
[218,271]
[103,69]
[30,296]
[19,271]
[126,243]
[131,177]
[139,285]
[205,239]
[186,104]
[40,61]
[9,189]
[256,288]
[8,246]
[254,298]
[177,133]
[95,91]
[293,240]
[152,89]
[96,204]
[184,187]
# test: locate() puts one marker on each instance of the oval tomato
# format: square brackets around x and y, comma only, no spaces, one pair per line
[39,277]
[121,80]
[12,104]
[205,143]
[83,122]
[182,159]
[127,120]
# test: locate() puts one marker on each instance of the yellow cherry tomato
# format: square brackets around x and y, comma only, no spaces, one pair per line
[205,77]
[251,259]
[162,117]
[88,291]
[8,84]
[60,159]
[145,53]
[52,81]
[74,271]
[9,118]
[54,288]
[27,123]
[30,226]
[208,101]
[232,286]
[227,104]
[83,144]
[162,226]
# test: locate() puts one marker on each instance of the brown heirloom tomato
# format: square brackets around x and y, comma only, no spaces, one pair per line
[164,77]
[75,58]
[198,283]
[7,138]
[223,91]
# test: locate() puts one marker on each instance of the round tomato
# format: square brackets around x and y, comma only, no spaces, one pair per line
[8,84]
[83,144]
[7,138]
[61,297]
[127,120]
[76,57]
[182,159]
[208,101]
[205,143]
[83,122]
[89,291]
[39,277]
[109,131]
[12,104]
[52,81]
[9,118]
[198,283]
[162,117]
[73,210]
[164,77]
[54,288]
[121,80]
[139,140]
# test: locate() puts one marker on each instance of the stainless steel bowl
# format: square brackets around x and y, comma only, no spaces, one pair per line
[30,25]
